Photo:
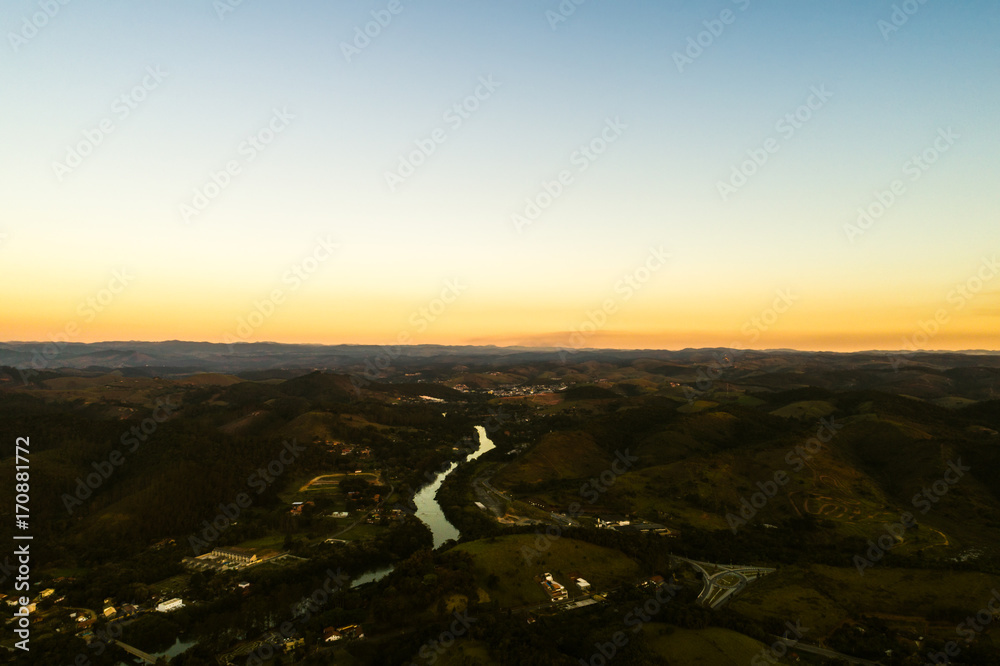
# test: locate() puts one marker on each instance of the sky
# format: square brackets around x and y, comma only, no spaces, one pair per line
[644,174]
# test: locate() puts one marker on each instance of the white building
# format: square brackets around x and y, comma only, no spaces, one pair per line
[169,605]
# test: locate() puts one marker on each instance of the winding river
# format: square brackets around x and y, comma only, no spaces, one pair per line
[429,511]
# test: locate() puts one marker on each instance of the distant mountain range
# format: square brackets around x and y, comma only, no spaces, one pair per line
[175,357]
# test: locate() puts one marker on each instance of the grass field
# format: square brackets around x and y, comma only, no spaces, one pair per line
[303,488]
[362,531]
[464,653]
[272,542]
[823,597]
[697,406]
[310,425]
[173,585]
[708,647]
[506,558]
[559,455]
[805,409]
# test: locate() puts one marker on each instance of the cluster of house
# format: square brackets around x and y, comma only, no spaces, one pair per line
[555,590]
[340,448]
[356,496]
[15,601]
[351,631]
[228,558]
[123,611]
[378,514]
[516,391]
[623,524]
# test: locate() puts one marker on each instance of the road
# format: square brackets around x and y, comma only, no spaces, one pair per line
[145,656]
[824,652]
[488,495]
[725,581]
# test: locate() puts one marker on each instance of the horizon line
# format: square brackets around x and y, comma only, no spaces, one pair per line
[520,347]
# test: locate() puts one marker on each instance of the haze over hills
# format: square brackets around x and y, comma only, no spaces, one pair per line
[218,357]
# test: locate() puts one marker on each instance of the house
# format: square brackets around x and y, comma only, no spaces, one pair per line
[292,643]
[235,554]
[653,581]
[583,585]
[330,635]
[554,589]
[611,521]
[169,605]
[109,611]
[352,631]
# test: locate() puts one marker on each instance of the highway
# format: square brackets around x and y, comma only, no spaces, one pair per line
[824,652]
[725,582]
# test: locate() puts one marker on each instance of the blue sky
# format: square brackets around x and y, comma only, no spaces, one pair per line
[557,85]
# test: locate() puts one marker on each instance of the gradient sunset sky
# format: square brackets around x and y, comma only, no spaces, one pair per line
[104,236]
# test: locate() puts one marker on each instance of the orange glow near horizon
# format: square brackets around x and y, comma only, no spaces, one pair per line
[641,324]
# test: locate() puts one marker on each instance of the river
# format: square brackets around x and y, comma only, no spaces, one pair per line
[429,511]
